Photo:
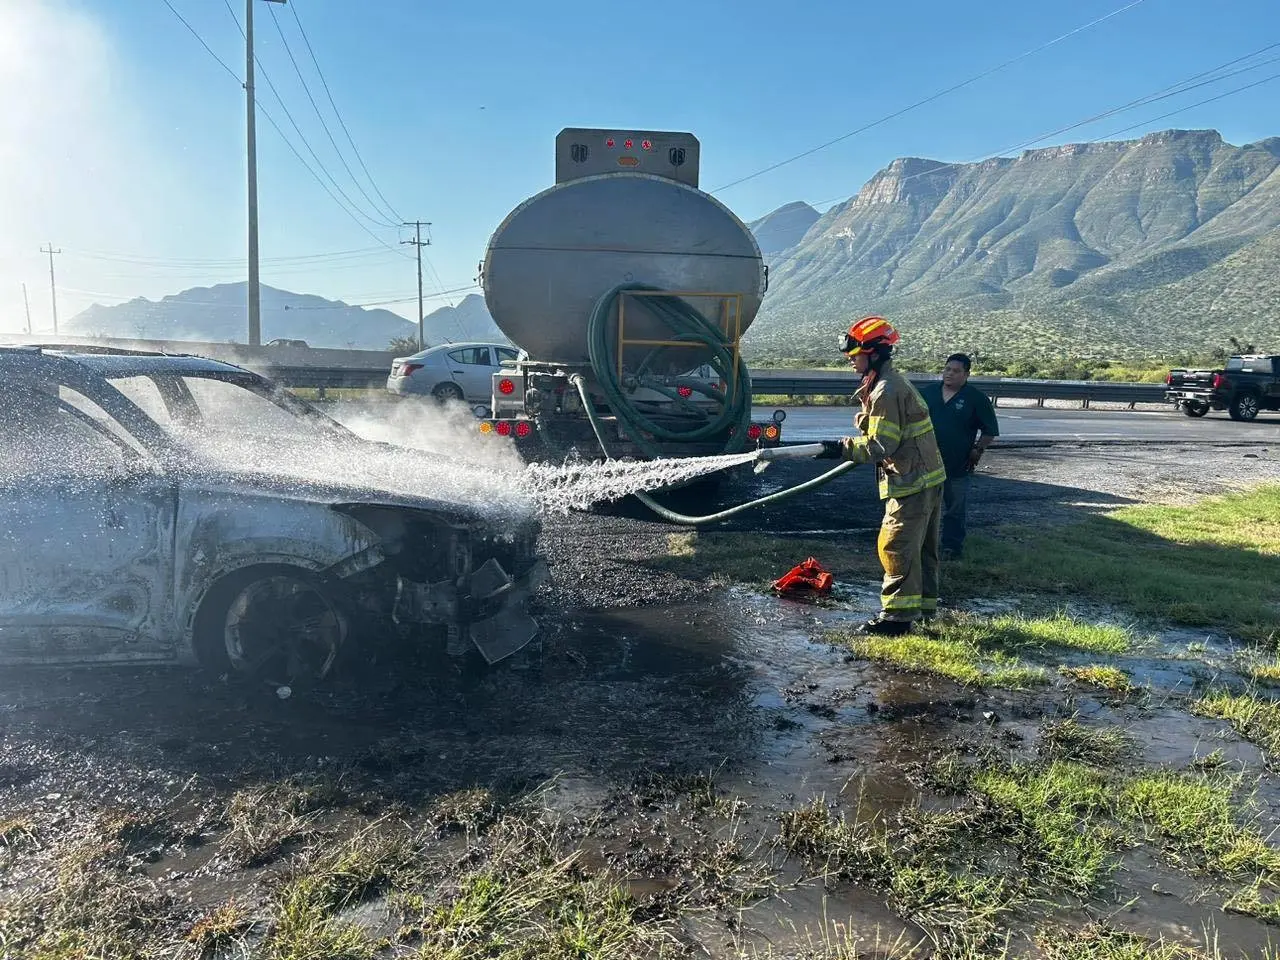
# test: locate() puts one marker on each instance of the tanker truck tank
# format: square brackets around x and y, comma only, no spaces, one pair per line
[555,255]
[627,279]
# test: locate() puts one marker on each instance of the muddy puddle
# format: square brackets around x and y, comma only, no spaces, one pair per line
[735,700]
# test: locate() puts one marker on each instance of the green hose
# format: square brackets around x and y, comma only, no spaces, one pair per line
[687,325]
[670,515]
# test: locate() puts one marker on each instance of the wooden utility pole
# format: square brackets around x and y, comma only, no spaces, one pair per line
[255,294]
[53,286]
[418,243]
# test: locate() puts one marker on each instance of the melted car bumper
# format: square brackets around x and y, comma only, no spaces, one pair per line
[490,606]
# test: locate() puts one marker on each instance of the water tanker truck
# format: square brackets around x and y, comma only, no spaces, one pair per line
[629,290]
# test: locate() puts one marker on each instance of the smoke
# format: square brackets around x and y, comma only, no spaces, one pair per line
[447,430]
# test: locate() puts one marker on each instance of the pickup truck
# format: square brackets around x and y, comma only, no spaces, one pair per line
[1247,385]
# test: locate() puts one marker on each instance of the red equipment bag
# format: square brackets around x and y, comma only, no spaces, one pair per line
[808,576]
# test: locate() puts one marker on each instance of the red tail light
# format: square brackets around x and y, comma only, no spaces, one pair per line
[408,368]
[504,428]
[753,432]
[1168,379]
[685,392]
[506,386]
[1219,381]
[523,428]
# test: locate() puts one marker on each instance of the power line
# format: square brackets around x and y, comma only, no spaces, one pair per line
[293,7]
[376,221]
[190,262]
[328,133]
[1184,85]
[276,126]
[932,97]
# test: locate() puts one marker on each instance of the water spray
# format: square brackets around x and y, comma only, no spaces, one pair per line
[762,457]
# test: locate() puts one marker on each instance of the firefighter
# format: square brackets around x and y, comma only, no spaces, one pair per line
[897,435]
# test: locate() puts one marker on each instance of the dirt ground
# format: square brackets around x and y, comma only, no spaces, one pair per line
[651,763]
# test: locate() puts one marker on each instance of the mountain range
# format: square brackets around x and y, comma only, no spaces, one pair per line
[1131,249]
[219,314]
[1126,249]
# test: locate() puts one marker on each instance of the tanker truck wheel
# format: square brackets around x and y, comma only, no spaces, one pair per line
[446,392]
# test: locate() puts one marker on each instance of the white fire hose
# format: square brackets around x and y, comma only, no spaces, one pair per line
[763,457]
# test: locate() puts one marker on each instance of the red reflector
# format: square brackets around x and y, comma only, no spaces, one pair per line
[685,391]
[753,432]
[504,428]
[524,428]
[506,386]
[408,368]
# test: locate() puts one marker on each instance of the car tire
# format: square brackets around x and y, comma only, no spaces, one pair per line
[447,391]
[1194,408]
[1244,407]
[273,624]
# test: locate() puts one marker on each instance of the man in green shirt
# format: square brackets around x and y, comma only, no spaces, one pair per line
[965,424]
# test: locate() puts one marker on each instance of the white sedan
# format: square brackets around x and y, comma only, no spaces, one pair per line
[452,371]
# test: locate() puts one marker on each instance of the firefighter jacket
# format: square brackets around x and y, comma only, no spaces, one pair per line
[897,436]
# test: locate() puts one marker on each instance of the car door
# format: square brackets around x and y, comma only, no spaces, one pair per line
[87,567]
[472,369]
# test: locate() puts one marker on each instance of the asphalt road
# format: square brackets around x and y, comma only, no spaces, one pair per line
[1036,423]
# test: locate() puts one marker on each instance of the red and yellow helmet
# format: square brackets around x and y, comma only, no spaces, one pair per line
[867,335]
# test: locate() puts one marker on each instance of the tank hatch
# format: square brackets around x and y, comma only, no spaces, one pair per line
[583,152]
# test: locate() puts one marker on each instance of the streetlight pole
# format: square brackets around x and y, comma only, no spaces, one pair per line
[255,296]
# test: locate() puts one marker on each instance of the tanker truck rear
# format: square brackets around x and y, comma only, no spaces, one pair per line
[629,289]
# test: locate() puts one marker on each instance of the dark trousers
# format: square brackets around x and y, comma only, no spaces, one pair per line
[955,497]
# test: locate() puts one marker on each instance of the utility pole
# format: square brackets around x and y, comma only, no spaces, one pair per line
[53,287]
[26,303]
[419,243]
[255,297]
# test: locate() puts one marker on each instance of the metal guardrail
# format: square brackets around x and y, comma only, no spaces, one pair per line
[798,383]
[322,369]
[808,383]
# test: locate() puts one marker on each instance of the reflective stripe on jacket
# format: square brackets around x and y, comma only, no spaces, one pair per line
[897,435]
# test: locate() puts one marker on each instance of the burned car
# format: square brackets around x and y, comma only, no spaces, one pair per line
[176,509]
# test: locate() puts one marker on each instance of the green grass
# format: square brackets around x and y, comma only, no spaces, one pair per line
[1213,564]
[1100,675]
[1069,739]
[919,864]
[1057,816]
[982,651]
[1100,942]
[1195,818]
[1264,670]
[955,658]
[1252,717]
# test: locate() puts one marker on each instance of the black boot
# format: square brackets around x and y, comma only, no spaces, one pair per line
[885,628]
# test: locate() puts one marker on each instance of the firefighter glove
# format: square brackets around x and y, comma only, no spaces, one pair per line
[831,450]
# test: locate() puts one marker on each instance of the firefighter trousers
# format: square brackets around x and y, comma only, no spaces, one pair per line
[908,547]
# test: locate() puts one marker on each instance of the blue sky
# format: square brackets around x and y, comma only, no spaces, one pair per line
[121,137]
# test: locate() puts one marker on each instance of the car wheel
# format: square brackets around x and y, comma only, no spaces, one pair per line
[446,392]
[1243,407]
[279,626]
[1195,409]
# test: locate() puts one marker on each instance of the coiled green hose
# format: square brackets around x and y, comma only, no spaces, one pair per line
[686,325]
